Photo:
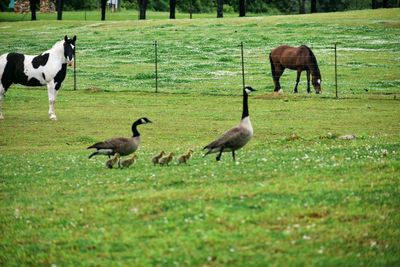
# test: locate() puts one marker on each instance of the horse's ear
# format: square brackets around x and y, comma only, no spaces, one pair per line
[74,39]
[65,38]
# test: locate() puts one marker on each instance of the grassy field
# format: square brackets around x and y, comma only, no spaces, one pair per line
[315,201]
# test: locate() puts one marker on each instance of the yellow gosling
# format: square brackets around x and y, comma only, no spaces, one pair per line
[128,162]
[111,162]
[157,157]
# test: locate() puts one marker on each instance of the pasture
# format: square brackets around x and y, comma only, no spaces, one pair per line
[297,195]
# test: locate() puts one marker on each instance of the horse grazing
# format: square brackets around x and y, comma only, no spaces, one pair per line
[295,58]
[49,68]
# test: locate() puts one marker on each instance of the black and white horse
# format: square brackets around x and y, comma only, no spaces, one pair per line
[49,68]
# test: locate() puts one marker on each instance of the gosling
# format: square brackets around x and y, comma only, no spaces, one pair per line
[111,162]
[185,157]
[157,157]
[128,162]
[166,160]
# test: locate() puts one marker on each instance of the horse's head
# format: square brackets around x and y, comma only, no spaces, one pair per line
[69,49]
[316,82]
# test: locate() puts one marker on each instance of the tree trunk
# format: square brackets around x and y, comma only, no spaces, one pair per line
[142,8]
[385,4]
[60,5]
[374,4]
[220,8]
[313,6]
[302,7]
[172,6]
[103,9]
[32,5]
[242,8]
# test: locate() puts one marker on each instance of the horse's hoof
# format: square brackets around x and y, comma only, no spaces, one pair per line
[53,117]
[1,117]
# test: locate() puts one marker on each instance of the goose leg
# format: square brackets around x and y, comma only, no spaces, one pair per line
[233,155]
[218,158]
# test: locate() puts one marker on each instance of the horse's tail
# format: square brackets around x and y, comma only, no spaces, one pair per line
[314,65]
[272,65]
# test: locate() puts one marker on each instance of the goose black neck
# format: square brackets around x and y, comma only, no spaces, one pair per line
[245,105]
[135,132]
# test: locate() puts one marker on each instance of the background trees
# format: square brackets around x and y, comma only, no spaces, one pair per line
[240,7]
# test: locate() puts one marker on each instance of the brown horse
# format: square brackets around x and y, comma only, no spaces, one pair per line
[295,58]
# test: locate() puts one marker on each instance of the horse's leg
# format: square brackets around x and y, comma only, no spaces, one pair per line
[297,81]
[278,73]
[2,92]
[308,81]
[52,92]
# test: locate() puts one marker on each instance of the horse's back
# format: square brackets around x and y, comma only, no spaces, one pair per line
[289,56]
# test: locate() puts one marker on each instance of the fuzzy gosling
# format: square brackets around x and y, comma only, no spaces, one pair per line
[166,160]
[157,157]
[111,162]
[185,157]
[128,162]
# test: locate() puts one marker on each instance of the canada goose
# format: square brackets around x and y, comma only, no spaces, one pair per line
[122,145]
[166,160]
[111,162]
[185,157]
[236,137]
[128,162]
[157,157]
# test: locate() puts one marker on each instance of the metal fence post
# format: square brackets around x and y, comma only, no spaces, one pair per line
[75,67]
[156,64]
[336,85]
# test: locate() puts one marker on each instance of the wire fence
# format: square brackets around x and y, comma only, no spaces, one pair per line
[186,68]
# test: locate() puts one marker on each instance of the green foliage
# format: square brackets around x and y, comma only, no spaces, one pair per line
[255,6]
[80,5]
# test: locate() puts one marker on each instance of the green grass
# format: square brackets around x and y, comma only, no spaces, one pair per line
[317,200]
[203,55]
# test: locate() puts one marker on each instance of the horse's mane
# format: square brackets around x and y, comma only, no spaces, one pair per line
[314,64]
[58,43]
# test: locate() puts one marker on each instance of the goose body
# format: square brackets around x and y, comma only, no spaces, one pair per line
[122,145]
[236,137]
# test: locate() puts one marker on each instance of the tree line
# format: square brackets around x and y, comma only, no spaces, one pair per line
[219,6]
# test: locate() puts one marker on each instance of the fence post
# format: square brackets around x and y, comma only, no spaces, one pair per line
[156,64]
[75,67]
[241,45]
[336,85]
